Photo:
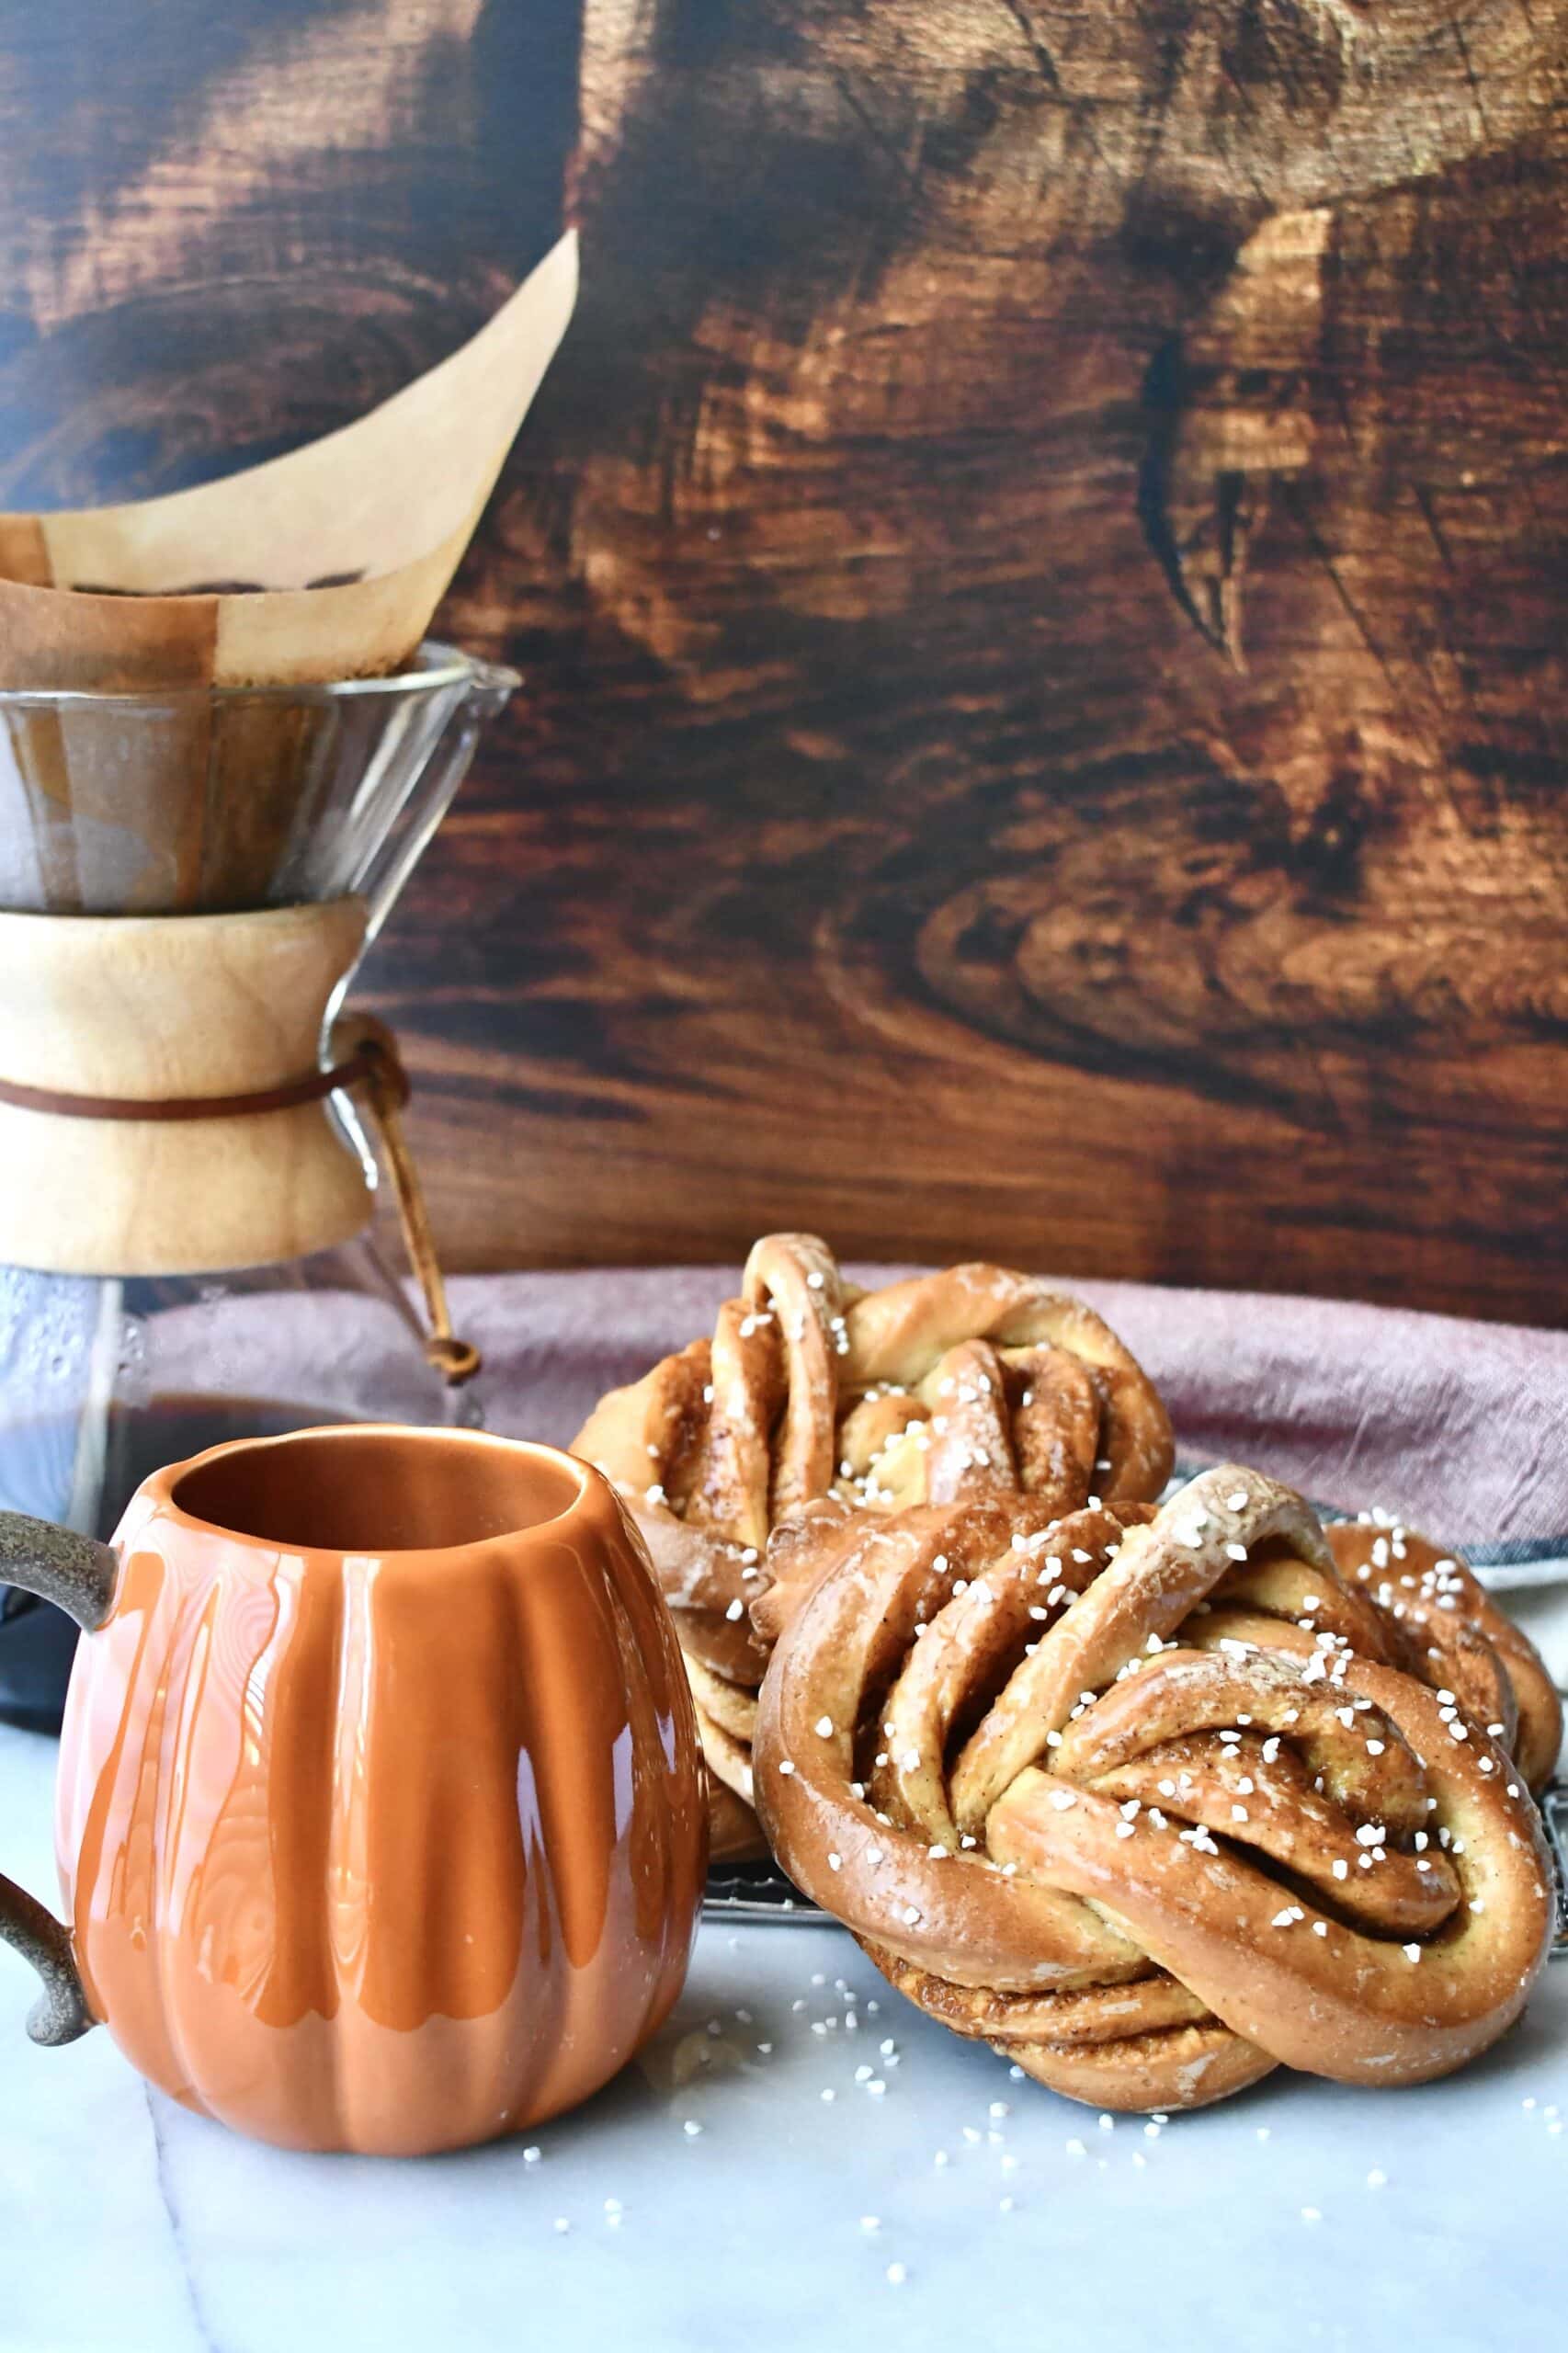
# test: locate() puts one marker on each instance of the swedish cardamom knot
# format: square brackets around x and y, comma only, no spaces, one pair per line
[974,1382]
[1147,1807]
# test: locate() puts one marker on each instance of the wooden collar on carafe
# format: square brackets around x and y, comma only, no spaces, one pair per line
[372,1069]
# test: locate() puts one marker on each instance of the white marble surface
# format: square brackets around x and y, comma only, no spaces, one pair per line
[127,2224]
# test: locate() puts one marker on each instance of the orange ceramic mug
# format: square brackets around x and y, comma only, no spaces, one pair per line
[380,1817]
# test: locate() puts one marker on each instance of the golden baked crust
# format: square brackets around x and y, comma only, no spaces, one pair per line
[1151,1802]
[1444,1626]
[976,1382]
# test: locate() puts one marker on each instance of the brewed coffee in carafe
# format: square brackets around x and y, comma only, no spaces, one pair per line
[103,1381]
[38,1642]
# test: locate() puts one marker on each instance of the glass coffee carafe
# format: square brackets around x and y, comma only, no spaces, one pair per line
[187,1175]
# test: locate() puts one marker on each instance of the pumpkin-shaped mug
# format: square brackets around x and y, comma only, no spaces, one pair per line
[380,1820]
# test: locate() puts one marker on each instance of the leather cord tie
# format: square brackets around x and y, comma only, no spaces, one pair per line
[383,1086]
[370,1069]
[312,1089]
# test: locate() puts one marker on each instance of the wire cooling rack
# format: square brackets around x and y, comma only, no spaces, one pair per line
[759,1891]
[1555,1813]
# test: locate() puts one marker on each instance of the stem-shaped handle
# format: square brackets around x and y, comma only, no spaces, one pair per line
[78,1577]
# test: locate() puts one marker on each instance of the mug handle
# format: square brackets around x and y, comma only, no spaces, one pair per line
[77,1575]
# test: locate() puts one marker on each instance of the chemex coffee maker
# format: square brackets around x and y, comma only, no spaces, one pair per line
[187,1120]
[211,797]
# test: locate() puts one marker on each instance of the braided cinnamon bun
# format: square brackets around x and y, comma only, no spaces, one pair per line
[1152,1802]
[974,1383]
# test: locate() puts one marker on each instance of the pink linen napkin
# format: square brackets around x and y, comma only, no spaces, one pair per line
[1459,1428]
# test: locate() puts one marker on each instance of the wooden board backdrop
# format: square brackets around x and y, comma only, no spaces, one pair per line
[1039,573]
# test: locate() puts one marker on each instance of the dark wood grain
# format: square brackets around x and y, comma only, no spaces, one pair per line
[1039,574]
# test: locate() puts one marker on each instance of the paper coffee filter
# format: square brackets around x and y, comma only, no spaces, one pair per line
[73,639]
[326,564]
